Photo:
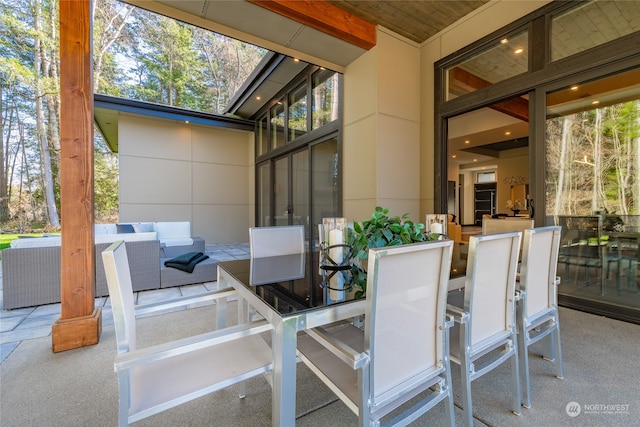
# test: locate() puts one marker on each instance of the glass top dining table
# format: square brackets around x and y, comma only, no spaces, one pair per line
[288,292]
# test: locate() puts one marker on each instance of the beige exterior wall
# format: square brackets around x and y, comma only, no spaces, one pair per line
[172,171]
[381,140]
[487,19]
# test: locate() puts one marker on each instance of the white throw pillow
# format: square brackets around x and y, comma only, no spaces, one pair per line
[105,229]
[36,242]
[173,230]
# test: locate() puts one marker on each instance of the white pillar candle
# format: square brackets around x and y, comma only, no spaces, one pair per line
[435,228]
[337,281]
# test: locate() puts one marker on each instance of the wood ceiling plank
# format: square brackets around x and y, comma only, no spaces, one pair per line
[327,18]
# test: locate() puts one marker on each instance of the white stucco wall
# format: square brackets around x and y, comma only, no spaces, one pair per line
[173,171]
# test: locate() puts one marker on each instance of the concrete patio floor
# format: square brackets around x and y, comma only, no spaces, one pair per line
[79,388]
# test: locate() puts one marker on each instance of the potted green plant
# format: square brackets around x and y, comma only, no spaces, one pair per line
[379,231]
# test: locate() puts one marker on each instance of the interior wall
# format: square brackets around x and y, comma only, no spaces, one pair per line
[511,163]
[485,20]
[172,171]
[381,129]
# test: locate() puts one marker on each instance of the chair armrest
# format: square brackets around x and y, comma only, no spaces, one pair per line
[449,321]
[143,309]
[519,294]
[339,348]
[458,314]
[189,344]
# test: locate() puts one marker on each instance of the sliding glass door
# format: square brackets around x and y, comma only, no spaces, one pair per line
[592,186]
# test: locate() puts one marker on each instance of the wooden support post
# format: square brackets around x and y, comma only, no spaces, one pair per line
[80,324]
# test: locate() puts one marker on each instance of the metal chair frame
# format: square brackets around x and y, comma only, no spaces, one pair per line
[537,301]
[484,335]
[160,377]
[403,351]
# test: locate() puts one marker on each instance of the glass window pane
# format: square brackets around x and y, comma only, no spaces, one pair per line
[281,191]
[325,94]
[324,182]
[298,112]
[507,58]
[593,187]
[591,24]
[486,176]
[264,193]
[300,187]
[277,125]
[262,138]
[592,144]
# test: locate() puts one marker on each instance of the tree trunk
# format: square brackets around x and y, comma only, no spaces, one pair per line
[41,128]
[4,200]
[597,162]
[566,133]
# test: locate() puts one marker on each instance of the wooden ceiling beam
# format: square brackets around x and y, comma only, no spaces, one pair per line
[325,17]
[465,82]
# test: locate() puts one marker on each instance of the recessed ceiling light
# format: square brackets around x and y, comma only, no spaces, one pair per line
[453,156]
[296,60]
[519,50]
[507,133]
[504,41]
[258,98]
[595,102]
[574,87]
[186,121]
[475,160]
[466,141]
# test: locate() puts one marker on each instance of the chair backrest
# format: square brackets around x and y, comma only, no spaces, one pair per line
[492,264]
[405,315]
[499,225]
[116,268]
[540,248]
[276,240]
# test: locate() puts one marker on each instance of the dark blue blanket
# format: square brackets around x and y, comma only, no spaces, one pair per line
[186,262]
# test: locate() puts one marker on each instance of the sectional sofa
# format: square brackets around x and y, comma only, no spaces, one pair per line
[31,266]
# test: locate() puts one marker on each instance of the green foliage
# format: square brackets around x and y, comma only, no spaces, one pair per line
[105,183]
[379,231]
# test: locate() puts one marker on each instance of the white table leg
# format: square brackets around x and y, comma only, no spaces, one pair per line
[284,372]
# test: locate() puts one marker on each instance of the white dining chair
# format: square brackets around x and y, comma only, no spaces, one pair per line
[276,240]
[537,306]
[154,379]
[484,334]
[402,353]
